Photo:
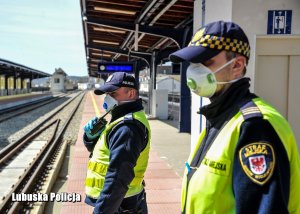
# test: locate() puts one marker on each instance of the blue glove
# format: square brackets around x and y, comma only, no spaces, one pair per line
[88,128]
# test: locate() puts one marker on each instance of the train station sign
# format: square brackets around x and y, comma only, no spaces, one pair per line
[111,67]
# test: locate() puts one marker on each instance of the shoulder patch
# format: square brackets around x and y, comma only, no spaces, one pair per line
[258,161]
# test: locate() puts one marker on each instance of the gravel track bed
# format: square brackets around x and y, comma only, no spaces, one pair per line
[72,131]
[73,127]
[13,129]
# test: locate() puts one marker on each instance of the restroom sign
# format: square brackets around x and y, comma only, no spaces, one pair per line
[279,21]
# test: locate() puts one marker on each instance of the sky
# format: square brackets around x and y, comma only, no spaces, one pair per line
[43,35]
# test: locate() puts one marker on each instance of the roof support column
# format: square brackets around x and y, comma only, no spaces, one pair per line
[3,85]
[185,94]
[154,69]
[152,82]
[136,37]
[185,101]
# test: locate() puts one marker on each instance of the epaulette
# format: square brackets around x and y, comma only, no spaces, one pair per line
[250,110]
[129,116]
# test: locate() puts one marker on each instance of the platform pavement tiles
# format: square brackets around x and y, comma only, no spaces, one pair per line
[162,188]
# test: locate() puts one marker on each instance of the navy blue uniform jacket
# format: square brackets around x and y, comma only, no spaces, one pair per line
[125,141]
[271,197]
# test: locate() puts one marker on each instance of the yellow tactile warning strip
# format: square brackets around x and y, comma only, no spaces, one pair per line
[95,104]
[162,184]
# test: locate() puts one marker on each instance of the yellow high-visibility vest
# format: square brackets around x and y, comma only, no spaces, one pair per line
[210,188]
[98,164]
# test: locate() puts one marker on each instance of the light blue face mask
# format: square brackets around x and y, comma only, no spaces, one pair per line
[109,103]
[202,81]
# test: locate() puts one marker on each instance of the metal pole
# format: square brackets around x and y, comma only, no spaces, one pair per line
[152,81]
[203,13]
[136,37]
[185,102]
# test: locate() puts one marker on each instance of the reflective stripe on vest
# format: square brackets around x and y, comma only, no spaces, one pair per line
[210,188]
[93,182]
[98,164]
[102,169]
[97,167]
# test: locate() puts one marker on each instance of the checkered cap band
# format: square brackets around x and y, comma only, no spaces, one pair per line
[222,43]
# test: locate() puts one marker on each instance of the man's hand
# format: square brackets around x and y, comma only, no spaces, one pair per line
[91,125]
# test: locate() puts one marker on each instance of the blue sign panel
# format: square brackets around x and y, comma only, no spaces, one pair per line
[111,67]
[279,21]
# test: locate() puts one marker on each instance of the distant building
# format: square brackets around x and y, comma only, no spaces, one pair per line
[83,86]
[41,82]
[58,80]
[164,69]
[87,83]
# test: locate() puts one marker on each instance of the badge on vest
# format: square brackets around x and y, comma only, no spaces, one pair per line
[258,161]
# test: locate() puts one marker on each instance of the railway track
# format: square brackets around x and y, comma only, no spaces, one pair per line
[12,112]
[15,128]
[24,164]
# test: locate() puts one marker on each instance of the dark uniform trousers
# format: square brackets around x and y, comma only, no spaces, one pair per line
[134,205]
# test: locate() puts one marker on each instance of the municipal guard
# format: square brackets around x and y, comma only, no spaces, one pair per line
[246,160]
[120,150]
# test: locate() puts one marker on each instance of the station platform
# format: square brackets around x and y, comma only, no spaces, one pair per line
[169,151]
[14,100]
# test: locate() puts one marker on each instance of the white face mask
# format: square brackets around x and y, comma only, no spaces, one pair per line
[202,81]
[109,103]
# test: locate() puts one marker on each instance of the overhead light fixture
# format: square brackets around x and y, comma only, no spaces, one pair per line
[144,46]
[105,42]
[95,60]
[127,12]
[108,30]
[99,54]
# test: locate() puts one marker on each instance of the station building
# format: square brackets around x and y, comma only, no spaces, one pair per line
[58,81]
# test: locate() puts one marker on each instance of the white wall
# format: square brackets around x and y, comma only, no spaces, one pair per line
[218,10]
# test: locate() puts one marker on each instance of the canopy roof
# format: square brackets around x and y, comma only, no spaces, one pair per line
[130,30]
[14,69]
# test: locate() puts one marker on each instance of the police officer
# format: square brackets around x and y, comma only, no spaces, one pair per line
[246,160]
[120,150]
